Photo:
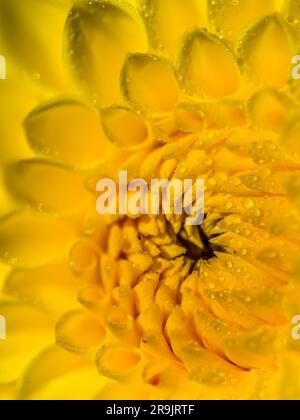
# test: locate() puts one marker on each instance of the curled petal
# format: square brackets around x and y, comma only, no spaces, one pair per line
[79,332]
[265,50]
[199,67]
[83,257]
[229,18]
[117,360]
[68,132]
[149,84]
[123,326]
[167,20]
[124,127]
[28,240]
[99,35]
[46,186]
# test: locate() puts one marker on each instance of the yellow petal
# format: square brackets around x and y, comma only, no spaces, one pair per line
[8,392]
[145,291]
[68,132]
[28,332]
[264,181]
[39,53]
[99,35]
[189,118]
[56,374]
[288,378]
[231,114]
[164,373]
[254,348]
[5,198]
[290,138]
[132,162]
[123,127]
[84,261]
[199,67]
[167,20]
[266,52]
[17,98]
[27,239]
[291,10]
[46,186]
[117,390]
[51,288]
[269,109]
[293,189]
[117,360]
[141,262]
[123,326]
[79,332]
[264,152]
[229,18]
[149,84]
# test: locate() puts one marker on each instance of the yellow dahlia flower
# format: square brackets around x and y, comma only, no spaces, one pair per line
[118,307]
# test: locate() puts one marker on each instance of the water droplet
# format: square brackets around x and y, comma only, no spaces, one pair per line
[248,203]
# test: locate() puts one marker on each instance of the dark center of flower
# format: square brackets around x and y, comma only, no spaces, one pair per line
[202,250]
[196,253]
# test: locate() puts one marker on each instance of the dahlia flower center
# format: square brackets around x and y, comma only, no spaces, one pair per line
[196,252]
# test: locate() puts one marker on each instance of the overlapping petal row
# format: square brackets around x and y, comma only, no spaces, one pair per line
[162,89]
